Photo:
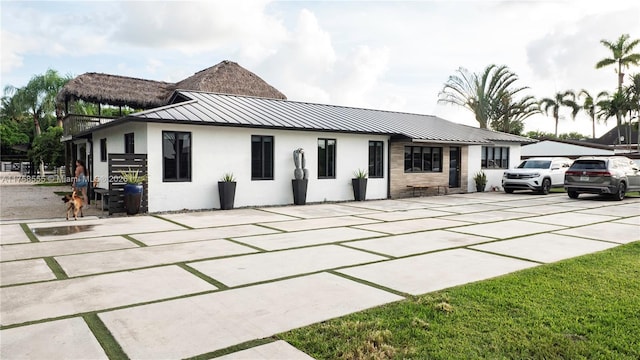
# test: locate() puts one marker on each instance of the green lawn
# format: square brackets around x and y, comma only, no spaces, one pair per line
[582,308]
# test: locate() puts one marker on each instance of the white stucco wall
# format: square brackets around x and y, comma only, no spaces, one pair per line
[218,150]
[494,176]
[115,145]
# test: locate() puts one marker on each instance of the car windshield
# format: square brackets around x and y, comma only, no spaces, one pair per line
[534,164]
[589,165]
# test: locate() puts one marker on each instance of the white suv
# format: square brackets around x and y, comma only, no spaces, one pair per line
[537,174]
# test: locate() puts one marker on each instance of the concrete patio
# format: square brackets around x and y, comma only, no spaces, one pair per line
[182,285]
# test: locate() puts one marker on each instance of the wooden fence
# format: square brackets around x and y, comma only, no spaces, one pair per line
[117,164]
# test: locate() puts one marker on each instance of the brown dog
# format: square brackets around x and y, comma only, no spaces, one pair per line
[75,203]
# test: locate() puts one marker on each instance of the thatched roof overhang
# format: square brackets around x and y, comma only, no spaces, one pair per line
[116,90]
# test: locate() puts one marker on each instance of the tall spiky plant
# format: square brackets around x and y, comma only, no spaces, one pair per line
[561,99]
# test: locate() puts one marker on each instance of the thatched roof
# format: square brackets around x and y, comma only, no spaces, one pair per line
[226,77]
[116,90]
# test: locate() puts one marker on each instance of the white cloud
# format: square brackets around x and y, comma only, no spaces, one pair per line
[195,27]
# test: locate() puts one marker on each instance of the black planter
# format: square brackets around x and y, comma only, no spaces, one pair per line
[132,198]
[227,191]
[359,189]
[299,191]
[480,187]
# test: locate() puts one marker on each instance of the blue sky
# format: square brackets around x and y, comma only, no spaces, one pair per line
[391,55]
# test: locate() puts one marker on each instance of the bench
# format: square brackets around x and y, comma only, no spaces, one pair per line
[425,188]
[104,196]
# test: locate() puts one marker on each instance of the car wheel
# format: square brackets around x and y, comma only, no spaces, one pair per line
[546,186]
[572,194]
[619,195]
[508,191]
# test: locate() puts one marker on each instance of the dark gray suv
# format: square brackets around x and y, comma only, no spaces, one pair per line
[612,175]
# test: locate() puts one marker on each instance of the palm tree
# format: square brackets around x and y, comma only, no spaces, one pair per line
[616,105]
[509,115]
[622,56]
[37,98]
[589,105]
[477,92]
[633,95]
[562,99]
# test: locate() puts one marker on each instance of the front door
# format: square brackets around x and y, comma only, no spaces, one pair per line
[454,167]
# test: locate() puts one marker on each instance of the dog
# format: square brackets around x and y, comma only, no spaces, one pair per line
[75,203]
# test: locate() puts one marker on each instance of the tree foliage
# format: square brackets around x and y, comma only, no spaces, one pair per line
[48,148]
[555,104]
[35,104]
[590,106]
[622,55]
[489,95]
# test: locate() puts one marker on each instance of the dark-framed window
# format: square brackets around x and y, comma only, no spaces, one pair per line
[261,157]
[495,157]
[422,159]
[129,146]
[326,158]
[103,150]
[176,154]
[376,159]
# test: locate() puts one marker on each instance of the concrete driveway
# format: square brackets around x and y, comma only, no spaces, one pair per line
[188,284]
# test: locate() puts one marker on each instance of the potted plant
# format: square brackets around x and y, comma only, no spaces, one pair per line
[133,190]
[227,191]
[301,178]
[359,183]
[481,181]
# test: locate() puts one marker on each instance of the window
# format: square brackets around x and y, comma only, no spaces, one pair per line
[495,157]
[176,153]
[376,163]
[129,147]
[103,150]
[326,158]
[422,159]
[261,157]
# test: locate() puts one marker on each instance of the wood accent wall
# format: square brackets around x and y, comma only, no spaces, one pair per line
[399,179]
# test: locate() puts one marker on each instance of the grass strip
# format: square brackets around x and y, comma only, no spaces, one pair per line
[171,221]
[137,242]
[104,337]
[56,268]
[204,277]
[232,349]
[32,237]
[585,307]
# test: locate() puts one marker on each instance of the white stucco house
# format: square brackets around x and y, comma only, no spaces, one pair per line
[225,119]
[199,136]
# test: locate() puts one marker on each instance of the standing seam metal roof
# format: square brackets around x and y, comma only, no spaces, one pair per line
[224,109]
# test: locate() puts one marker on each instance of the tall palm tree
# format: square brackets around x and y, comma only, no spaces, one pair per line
[589,106]
[633,95]
[622,55]
[37,98]
[561,99]
[616,105]
[477,92]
